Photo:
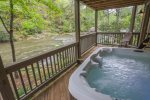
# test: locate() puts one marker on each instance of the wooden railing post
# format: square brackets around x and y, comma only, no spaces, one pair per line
[138,39]
[133,18]
[96,25]
[5,88]
[77,25]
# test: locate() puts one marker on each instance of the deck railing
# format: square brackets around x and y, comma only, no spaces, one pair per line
[116,38]
[36,72]
[87,41]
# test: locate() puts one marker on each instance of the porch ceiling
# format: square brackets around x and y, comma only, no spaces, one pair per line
[109,4]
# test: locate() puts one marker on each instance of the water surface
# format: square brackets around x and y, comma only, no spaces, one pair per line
[122,77]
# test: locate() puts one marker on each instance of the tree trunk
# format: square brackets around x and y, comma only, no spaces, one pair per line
[11,34]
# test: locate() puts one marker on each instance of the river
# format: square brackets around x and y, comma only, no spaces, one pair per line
[31,47]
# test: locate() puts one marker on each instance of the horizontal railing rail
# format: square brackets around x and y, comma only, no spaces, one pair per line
[112,38]
[87,41]
[36,72]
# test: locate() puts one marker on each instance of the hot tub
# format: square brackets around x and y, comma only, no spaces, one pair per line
[112,74]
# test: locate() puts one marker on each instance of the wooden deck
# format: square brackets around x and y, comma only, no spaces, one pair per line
[58,90]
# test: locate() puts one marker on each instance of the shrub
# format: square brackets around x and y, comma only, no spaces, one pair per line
[4,37]
[34,25]
[31,28]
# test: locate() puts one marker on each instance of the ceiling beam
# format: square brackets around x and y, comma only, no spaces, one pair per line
[110,1]
[116,3]
[109,4]
[114,6]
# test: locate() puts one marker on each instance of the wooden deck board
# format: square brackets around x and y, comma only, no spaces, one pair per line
[59,89]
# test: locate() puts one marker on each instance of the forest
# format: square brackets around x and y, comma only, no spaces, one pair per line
[57,16]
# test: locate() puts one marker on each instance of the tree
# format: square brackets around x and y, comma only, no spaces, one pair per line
[25,11]
[31,20]
[10,31]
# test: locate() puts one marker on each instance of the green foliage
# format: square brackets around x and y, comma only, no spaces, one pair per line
[20,91]
[87,18]
[30,16]
[57,16]
[29,27]
[116,20]
[33,25]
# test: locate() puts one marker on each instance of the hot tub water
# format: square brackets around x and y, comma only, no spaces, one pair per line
[122,76]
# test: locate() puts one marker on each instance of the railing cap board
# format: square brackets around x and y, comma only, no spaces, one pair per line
[18,65]
[86,35]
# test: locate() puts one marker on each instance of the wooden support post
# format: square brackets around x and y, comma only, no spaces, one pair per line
[148,29]
[133,18]
[5,88]
[96,24]
[77,25]
[146,17]
[134,9]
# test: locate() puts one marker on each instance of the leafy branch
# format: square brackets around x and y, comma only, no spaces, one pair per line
[4,25]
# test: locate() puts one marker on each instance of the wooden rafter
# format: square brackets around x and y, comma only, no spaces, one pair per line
[116,6]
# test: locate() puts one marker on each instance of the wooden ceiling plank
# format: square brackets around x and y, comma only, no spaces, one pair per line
[108,1]
[113,7]
[107,5]
[113,2]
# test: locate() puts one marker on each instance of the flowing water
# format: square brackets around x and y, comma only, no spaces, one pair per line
[122,77]
[28,48]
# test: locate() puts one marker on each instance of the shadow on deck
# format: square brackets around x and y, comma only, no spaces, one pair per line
[58,90]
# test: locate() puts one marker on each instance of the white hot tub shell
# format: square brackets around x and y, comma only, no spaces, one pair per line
[78,87]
